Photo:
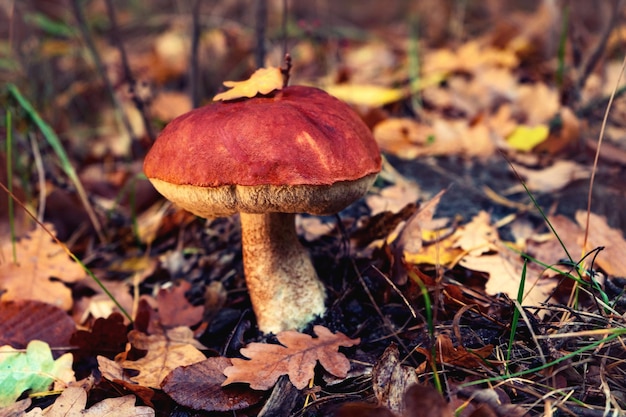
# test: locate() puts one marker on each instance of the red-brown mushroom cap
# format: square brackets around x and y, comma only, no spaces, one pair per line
[275,153]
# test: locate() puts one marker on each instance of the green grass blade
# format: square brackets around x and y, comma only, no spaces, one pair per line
[69,253]
[431,327]
[614,334]
[560,71]
[516,314]
[55,144]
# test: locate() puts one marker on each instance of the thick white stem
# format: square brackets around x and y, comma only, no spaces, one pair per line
[284,288]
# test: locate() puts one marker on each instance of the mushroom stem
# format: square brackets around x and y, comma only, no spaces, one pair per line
[284,288]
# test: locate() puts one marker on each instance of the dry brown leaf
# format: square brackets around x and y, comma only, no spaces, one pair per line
[503,265]
[426,401]
[72,402]
[263,81]
[538,102]
[390,379]
[101,305]
[393,198]
[505,276]
[470,57]
[550,250]
[568,134]
[114,372]
[17,409]
[409,240]
[552,178]
[458,356]
[402,137]
[25,320]
[478,236]
[174,308]
[168,105]
[458,137]
[612,259]
[199,386]
[39,259]
[164,355]
[296,357]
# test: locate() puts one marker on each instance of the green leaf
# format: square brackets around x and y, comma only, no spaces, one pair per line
[34,369]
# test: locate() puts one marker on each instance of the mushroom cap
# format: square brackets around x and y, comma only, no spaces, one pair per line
[299,150]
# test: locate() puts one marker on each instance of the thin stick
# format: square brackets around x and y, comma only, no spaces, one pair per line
[597,157]
[261,27]
[194,72]
[596,54]
[284,26]
[119,112]
[128,75]
[41,177]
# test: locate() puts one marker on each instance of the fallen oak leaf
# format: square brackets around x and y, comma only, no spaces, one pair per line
[295,357]
[165,353]
[478,236]
[114,372]
[262,81]
[38,259]
[33,369]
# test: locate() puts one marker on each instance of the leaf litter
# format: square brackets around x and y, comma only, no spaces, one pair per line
[393,267]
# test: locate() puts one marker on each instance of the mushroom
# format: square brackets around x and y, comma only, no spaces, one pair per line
[298,150]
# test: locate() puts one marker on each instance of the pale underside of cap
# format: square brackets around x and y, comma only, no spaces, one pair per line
[223,201]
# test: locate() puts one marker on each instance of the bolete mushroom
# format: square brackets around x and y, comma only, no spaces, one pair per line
[298,150]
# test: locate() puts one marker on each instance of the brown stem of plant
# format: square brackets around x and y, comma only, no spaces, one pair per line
[128,75]
[599,50]
[82,24]
[261,27]
[286,70]
[194,72]
[284,26]
[597,156]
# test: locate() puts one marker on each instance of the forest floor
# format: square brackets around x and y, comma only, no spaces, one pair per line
[482,275]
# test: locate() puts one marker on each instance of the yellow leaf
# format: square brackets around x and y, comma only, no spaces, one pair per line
[263,81]
[440,253]
[525,138]
[365,94]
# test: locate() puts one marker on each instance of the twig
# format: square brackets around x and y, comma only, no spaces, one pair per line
[128,75]
[596,54]
[286,70]
[194,72]
[261,27]
[284,26]
[82,24]
[41,175]
[597,157]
